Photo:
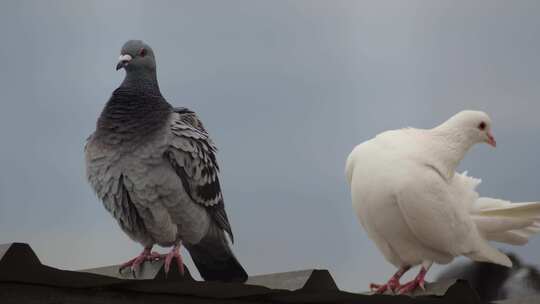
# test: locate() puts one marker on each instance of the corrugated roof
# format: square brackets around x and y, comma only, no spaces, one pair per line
[24,279]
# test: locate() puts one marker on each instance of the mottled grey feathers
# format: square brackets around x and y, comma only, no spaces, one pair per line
[154,167]
[192,156]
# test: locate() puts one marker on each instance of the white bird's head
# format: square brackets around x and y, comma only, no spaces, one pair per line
[475,125]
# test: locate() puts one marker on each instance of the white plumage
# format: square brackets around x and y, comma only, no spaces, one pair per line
[418,210]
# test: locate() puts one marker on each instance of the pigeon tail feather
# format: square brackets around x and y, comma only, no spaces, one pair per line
[485,253]
[503,221]
[214,258]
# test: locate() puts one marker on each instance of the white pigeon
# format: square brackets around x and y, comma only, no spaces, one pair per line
[419,210]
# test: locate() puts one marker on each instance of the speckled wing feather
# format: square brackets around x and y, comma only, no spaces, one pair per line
[192,155]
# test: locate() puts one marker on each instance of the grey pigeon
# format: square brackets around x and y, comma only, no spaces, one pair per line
[155,169]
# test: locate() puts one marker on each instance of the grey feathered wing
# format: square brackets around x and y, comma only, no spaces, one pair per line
[192,155]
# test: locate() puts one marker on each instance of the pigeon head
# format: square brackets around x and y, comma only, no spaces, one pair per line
[475,125]
[136,57]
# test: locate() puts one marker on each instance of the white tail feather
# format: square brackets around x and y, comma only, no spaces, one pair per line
[508,237]
[485,253]
[492,224]
[503,221]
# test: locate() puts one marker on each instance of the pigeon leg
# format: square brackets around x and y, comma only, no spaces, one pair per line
[418,281]
[146,255]
[174,254]
[393,283]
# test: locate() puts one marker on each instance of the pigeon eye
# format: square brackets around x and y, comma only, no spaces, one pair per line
[482,126]
[142,52]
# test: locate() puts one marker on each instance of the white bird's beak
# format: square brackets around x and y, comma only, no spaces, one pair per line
[491,140]
[123,61]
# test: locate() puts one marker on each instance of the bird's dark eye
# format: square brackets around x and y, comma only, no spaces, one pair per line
[482,126]
[142,52]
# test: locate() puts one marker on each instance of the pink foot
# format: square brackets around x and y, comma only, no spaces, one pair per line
[418,282]
[393,283]
[174,254]
[411,286]
[134,264]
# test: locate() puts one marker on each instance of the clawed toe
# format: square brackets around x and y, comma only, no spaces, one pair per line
[392,285]
[377,288]
[135,263]
[174,254]
[152,256]
[411,286]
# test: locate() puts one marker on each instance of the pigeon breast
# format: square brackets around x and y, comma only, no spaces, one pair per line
[127,168]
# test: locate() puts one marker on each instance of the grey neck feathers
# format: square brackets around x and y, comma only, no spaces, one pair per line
[142,81]
[135,111]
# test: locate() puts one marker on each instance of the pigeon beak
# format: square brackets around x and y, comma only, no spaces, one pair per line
[123,61]
[491,140]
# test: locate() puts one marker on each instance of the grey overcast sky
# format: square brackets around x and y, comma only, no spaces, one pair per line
[286,89]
